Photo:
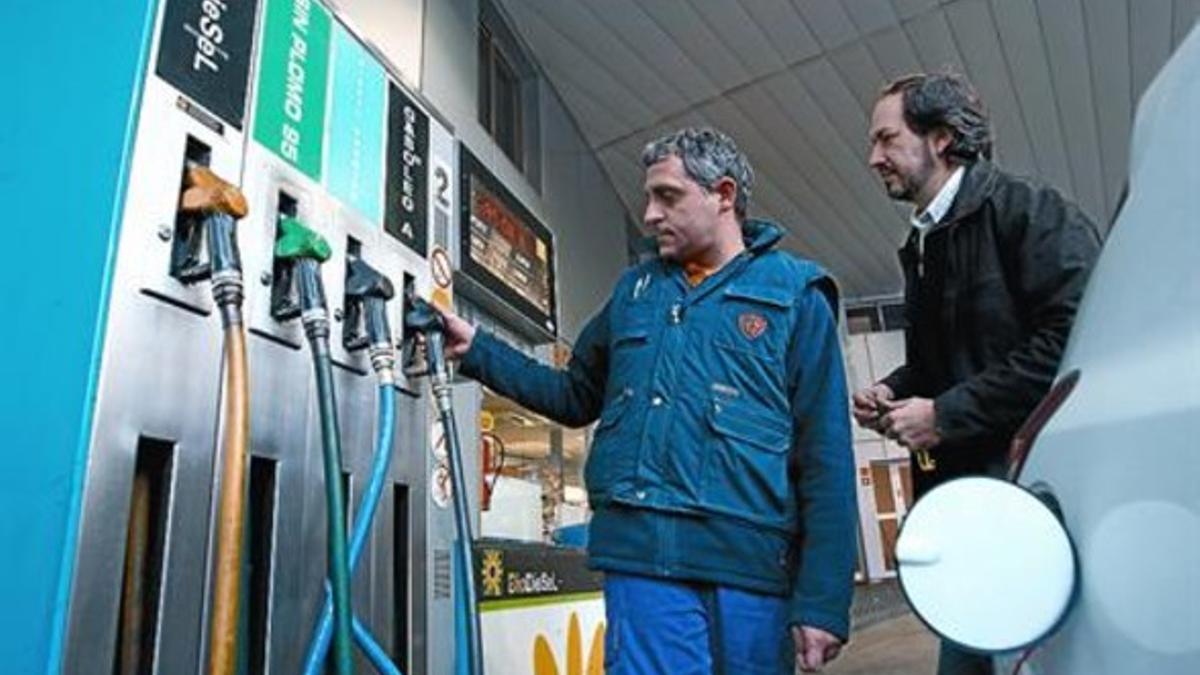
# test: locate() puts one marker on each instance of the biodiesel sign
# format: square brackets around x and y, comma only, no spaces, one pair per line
[204,52]
[290,113]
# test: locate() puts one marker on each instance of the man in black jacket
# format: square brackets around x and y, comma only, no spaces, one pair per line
[994,268]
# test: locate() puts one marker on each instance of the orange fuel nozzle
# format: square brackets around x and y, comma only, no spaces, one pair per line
[206,191]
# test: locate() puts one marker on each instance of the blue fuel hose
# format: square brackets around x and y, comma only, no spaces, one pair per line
[319,645]
[421,317]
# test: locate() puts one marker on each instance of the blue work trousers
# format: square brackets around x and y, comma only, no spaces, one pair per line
[661,627]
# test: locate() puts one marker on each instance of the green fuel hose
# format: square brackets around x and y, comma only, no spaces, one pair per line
[307,250]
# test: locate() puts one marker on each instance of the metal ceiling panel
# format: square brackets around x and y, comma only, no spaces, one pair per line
[870,16]
[975,33]
[784,27]
[1184,18]
[806,163]
[653,45]
[859,73]
[609,50]
[703,46]
[793,81]
[1107,24]
[832,226]
[893,52]
[828,21]
[1066,46]
[730,23]
[908,9]
[931,37]
[595,118]
[1150,40]
[1021,36]
[838,102]
[846,160]
[578,67]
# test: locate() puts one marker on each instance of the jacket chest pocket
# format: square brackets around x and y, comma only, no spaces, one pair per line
[755,320]
[746,463]
[747,336]
[629,356]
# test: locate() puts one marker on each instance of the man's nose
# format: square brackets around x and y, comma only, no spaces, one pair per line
[875,158]
[653,215]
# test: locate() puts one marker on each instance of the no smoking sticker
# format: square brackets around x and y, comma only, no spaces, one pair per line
[440,268]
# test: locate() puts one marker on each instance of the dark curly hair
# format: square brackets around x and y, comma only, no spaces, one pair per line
[945,101]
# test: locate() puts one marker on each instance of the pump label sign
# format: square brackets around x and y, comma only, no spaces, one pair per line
[204,52]
[406,216]
[290,111]
[354,160]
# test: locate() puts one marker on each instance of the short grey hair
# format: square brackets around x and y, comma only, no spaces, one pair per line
[708,156]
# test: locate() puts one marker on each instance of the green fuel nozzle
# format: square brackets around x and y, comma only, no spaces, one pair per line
[302,250]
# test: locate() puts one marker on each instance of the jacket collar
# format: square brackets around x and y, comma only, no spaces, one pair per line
[760,235]
[977,185]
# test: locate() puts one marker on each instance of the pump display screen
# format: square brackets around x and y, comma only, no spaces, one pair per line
[505,248]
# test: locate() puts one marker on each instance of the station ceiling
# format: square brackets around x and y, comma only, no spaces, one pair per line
[793,82]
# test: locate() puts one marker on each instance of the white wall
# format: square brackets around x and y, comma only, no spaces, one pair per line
[394,27]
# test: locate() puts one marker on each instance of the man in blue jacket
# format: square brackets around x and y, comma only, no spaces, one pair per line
[721,471]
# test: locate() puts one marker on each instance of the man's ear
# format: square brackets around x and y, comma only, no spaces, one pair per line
[941,139]
[726,191]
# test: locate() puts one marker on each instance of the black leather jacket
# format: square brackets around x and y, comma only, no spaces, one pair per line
[990,314]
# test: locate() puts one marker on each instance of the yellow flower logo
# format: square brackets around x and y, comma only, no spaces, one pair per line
[493,573]
[544,662]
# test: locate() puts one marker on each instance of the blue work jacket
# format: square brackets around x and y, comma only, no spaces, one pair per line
[723,450]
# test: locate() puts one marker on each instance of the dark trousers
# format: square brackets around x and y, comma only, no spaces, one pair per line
[955,661]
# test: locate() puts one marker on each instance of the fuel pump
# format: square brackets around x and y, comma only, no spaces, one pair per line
[367,294]
[303,250]
[420,318]
[210,208]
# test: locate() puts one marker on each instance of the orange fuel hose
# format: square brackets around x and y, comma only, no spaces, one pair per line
[231,513]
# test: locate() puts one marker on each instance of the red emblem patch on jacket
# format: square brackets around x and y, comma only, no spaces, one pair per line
[752,324]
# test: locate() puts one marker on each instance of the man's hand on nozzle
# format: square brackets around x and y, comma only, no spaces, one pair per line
[870,405]
[459,334]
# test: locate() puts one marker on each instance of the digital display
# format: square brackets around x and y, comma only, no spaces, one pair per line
[505,248]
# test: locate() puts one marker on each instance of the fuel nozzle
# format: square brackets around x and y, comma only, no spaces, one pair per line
[209,208]
[423,319]
[367,294]
[302,251]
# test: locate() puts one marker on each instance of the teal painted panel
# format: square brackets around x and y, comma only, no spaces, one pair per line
[354,159]
[65,130]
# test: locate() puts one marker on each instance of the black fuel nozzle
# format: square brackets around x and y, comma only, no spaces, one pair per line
[423,319]
[209,208]
[367,294]
[302,251]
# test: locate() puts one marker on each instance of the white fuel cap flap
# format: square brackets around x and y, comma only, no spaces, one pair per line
[986,564]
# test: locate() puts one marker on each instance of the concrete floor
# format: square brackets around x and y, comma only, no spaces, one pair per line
[896,646]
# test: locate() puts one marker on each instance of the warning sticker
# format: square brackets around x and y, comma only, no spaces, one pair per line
[440,267]
[440,486]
